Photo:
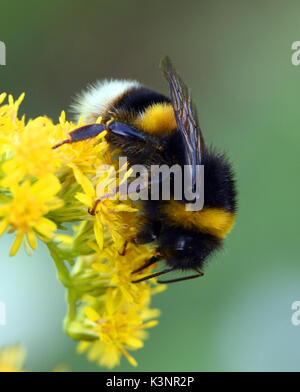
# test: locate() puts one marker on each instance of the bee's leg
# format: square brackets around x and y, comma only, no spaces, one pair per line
[124,249]
[198,275]
[104,197]
[113,194]
[165,271]
[83,133]
[153,260]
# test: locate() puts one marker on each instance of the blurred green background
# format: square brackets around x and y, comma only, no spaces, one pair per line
[236,56]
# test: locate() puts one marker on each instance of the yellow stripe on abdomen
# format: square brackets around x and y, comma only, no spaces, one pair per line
[157,119]
[214,221]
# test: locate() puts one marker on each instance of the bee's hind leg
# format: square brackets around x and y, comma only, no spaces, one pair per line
[153,260]
[121,191]
[123,251]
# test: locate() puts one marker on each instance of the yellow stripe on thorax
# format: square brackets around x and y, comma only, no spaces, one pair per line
[214,221]
[157,118]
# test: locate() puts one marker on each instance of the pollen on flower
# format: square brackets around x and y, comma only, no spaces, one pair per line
[43,191]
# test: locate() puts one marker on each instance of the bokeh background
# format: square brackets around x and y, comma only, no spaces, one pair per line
[236,56]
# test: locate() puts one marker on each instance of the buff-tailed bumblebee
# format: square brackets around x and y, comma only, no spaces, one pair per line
[152,129]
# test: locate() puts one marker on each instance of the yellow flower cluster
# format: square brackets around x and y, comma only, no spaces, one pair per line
[46,194]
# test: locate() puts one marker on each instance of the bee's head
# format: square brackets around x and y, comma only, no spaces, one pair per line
[186,249]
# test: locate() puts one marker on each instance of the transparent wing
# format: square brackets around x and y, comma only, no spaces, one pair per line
[186,118]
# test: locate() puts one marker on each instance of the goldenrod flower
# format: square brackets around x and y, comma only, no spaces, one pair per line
[121,327]
[42,191]
[26,211]
[30,152]
[10,125]
[119,271]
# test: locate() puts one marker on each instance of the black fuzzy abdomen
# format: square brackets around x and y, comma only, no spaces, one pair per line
[219,183]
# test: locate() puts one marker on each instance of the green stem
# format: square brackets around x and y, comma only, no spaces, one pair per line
[63,273]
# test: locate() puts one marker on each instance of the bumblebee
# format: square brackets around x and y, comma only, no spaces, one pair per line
[152,129]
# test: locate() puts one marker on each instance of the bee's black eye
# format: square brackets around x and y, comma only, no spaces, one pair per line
[180,245]
[183,243]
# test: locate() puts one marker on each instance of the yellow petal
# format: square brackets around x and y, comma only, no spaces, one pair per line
[55,203]
[3,226]
[150,324]
[91,314]
[98,229]
[62,118]
[85,199]
[82,347]
[17,243]
[20,99]
[110,357]
[125,207]
[31,239]
[134,342]
[113,300]
[45,227]
[85,183]
[101,268]
[46,187]
[2,97]
[130,359]
[27,247]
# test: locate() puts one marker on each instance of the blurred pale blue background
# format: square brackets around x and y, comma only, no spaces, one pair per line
[236,56]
